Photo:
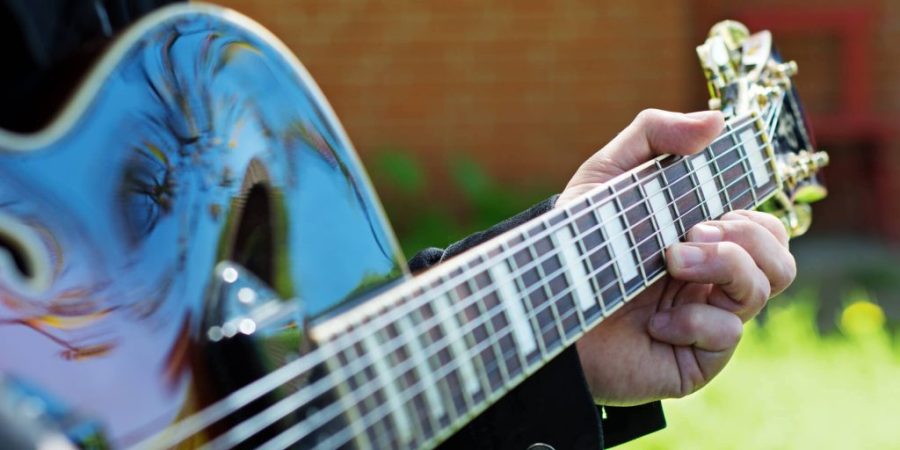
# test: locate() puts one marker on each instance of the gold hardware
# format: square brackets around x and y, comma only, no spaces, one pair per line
[796,168]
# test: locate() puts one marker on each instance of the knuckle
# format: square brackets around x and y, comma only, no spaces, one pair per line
[731,252]
[786,273]
[647,116]
[692,321]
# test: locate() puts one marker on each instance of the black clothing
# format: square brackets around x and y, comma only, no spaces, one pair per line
[50,44]
[553,406]
[47,46]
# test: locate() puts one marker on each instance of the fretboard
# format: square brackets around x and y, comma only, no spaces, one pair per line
[418,362]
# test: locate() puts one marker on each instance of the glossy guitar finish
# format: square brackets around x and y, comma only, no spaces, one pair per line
[195,140]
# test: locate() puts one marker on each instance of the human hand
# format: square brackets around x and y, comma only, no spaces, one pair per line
[679,333]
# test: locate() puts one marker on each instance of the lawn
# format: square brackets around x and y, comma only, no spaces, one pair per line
[789,388]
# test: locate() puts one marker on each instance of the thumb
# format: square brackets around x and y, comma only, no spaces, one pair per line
[702,326]
[654,132]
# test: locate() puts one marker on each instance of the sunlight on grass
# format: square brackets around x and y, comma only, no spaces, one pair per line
[789,388]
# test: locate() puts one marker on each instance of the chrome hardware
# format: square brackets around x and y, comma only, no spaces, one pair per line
[249,306]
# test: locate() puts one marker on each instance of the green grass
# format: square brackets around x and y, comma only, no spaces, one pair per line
[789,388]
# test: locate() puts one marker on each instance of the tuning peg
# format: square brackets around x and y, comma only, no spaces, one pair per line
[801,166]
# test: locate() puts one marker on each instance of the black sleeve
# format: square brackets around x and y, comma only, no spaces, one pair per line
[553,406]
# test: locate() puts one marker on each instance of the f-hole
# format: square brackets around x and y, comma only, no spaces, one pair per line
[253,245]
[19,259]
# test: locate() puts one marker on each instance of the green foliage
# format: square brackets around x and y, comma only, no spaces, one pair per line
[471,201]
[790,388]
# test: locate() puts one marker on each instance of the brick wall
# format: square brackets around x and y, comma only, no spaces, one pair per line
[531,88]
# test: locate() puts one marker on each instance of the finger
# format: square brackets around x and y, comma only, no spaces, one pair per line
[770,222]
[726,265]
[654,132]
[697,324]
[764,248]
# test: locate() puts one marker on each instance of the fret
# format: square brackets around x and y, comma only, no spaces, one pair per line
[667,233]
[578,272]
[615,231]
[512,361]
[356,410]
[685,193]
[721,189]
[670,199]
[556,287]
[736,175]
[422,372]
[387,378]
[544,297]
[605,278]
[754,144]
[754,153]
[654,264]
[491,357]
[535,299]
[522,329]
[711,201]
[517,361]
[472,318]
[450,383]
[457,348]
[641,228]
[423,416]
[364,380]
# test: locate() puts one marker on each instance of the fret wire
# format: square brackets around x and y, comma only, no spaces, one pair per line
[532,319]
[489,326]
[695,183]
[613,256]
[745,163]
[484,383]
[720,175]
[746,175]
[187,427]
[629,227]
[546,287]
[567,275]
[443,385]
[506,331]
[657,228]
[670,201]
[422,365]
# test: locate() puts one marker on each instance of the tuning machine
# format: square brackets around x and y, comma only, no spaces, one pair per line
[799,188]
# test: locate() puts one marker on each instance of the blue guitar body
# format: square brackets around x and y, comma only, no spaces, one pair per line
[197,139]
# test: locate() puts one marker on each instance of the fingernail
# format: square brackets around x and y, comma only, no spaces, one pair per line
[685,256]
[706,233]
[660,320]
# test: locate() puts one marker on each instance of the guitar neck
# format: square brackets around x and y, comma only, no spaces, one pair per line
[421,360]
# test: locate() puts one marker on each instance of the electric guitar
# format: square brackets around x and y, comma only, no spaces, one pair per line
[192,255]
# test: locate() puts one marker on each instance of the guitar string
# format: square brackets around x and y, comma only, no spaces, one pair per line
[536,262]
[463,302]
[178,432]
[268,444]
[446,369]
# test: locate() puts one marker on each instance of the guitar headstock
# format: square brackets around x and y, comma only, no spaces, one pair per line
[746,75]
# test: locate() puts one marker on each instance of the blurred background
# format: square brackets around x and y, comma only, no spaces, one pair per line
[466,112]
